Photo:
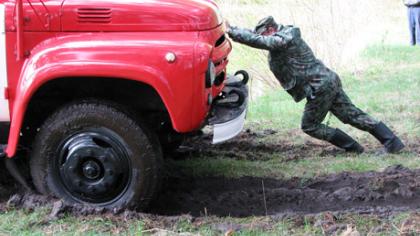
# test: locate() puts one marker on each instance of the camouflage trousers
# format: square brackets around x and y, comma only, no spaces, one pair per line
[331,98]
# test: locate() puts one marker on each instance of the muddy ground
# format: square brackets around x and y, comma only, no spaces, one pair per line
[259,145]
[396,189]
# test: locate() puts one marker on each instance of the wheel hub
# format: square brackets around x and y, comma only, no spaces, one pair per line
[91,170]
[94,167]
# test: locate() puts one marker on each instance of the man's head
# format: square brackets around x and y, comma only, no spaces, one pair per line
[266,26]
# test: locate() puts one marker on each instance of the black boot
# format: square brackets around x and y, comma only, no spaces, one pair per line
[342,140]
[391,142]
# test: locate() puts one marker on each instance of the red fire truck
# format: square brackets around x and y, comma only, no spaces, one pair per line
[92,90]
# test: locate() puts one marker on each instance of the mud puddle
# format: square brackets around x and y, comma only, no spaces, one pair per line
[395,189]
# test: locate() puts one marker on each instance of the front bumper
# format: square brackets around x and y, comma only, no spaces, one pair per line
[229,110]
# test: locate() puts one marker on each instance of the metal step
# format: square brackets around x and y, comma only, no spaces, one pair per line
[3,150]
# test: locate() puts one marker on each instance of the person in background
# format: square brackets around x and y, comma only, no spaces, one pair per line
[303,76]
[414,20]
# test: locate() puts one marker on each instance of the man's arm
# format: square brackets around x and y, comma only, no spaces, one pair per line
[251,39]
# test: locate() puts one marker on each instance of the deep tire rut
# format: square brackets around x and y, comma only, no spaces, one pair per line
[397,188]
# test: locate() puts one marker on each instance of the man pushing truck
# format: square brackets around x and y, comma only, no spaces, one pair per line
[303,76]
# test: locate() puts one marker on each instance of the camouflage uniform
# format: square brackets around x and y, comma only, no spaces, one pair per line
[302,75]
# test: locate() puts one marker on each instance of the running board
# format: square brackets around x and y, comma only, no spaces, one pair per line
[2,150]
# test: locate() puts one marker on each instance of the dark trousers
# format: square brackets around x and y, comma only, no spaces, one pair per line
[414,24]
[331,97]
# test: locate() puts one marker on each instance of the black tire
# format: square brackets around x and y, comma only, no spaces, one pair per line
[94,153]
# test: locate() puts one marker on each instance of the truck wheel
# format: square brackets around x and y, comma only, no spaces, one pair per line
[93,153]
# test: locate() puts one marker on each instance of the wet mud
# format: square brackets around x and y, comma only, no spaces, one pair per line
[395,189]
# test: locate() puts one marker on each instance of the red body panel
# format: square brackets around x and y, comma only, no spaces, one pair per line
[133,55]
[139,15]
[42,16]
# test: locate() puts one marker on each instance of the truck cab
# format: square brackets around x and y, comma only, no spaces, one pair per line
[94,89]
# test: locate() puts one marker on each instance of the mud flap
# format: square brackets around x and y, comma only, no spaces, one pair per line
[229,109]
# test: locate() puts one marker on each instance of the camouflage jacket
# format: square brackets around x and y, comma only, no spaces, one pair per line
[291,60]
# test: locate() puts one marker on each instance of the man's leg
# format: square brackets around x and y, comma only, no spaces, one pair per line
[417,24]
[411,25]
[315,111]
[348,113]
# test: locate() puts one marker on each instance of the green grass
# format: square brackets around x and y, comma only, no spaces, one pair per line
[304,168]
[24,222]
[395,54]
[388,88]
[20,222]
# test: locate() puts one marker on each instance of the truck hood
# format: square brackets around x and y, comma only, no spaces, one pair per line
[139,15]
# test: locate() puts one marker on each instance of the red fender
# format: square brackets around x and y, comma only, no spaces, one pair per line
[134,56]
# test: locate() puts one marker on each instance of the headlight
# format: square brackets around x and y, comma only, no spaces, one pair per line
[210,75]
